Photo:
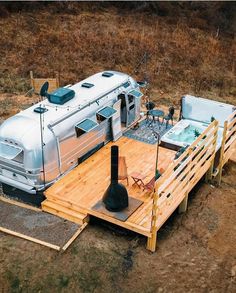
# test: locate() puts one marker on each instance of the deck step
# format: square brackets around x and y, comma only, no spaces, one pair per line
[65,203]
[63,212]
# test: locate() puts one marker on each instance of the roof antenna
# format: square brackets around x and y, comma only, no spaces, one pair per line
[44,90]
[145,82]
[42,145]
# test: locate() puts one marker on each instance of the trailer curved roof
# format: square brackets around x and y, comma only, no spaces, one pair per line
[102,85]
[27,122]
[83,96]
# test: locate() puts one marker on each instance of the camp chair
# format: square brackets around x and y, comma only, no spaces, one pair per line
[169,116]
[150,185]
[149,106]
[122,172]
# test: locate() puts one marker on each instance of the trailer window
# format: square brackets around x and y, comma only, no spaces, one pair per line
[9,152]
[126,85]
[131,99]
[105,113]
[19,158]
[85,126]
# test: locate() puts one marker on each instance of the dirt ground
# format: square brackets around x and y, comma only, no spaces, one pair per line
[196,251]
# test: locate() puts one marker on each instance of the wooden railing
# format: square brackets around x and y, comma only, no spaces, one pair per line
[173,186]
[228,143]
[37,83]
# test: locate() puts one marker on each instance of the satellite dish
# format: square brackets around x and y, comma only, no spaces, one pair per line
[44,89]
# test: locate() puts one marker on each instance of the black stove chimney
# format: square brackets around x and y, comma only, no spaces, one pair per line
[116,196]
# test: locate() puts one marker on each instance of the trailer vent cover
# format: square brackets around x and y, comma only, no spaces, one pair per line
[87,85]
[107,74]
[61,95]
[40,110]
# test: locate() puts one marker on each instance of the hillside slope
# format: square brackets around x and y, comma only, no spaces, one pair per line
[191,48]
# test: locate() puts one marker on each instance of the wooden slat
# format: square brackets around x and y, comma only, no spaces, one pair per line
[13,233]
[57,207]
[19,204]
[228,144]
[230,131]
[72,239]
[37,83]
[64,215]
[231,116]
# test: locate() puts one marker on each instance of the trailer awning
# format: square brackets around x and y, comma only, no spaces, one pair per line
[107,112]
[9,151]
[85,126]
[136,93]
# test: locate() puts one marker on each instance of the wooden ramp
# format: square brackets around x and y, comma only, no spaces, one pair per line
[74,196]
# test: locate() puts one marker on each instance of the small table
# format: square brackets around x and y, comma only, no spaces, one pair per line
[156,113]
[138,179]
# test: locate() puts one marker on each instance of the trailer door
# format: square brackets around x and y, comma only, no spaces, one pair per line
[130,106]
[116,121]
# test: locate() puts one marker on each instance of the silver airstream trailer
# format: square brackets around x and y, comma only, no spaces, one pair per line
[40,144]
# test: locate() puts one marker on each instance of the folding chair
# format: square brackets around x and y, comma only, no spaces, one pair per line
[122,172]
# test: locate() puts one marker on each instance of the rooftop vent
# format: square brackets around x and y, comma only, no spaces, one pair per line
[87,85]
[107,74]
[40,110]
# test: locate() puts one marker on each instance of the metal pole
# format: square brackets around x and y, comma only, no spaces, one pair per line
[42,145]
[157,135]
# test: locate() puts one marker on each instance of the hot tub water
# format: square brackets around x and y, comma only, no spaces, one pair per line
[186,135]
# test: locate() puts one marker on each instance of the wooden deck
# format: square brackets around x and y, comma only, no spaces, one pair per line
[74,195]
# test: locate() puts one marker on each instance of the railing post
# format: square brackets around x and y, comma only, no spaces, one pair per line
[32,79]
[183,205]
[209,173]
[222,151]
[151,243]
[57,79]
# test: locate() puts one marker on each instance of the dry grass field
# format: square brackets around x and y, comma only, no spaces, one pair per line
[190,49]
